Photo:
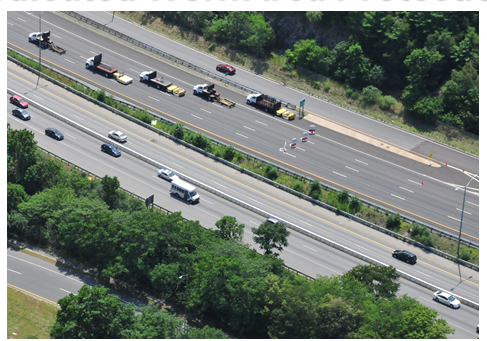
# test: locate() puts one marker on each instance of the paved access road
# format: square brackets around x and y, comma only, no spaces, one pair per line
[342,161]
[141,179]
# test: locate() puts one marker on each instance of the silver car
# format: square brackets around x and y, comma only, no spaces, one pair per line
[117,135]
[446,298]
[167,174]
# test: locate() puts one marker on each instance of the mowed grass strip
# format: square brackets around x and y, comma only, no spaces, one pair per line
[28,317]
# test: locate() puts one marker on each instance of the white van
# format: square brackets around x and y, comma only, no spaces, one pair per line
[184,190]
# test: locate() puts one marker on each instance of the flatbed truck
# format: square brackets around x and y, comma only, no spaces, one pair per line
[94,63]
[208,92]
[150,78]
[267,103]
[44,40]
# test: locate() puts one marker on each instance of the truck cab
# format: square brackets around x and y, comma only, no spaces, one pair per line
[252,98]
[200,88]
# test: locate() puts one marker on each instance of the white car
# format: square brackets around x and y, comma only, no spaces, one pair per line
[167,174]
[117,135]
[446,298]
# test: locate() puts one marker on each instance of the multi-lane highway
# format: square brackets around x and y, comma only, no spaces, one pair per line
[336,158]
[303,253]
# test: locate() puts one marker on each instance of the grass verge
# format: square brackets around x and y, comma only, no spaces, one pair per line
[28,317]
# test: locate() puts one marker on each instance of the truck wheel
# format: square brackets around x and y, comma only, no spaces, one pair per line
[194,92]
[106,75]
[140,80]
[248,102]
[87,66]
[158,86]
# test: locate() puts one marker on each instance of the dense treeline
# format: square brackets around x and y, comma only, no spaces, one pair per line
[432,58]
[250,294]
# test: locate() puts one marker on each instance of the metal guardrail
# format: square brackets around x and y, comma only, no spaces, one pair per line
[239,202]
[242,87]
[262,178]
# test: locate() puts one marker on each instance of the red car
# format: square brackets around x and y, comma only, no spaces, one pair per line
[19,101]
[225,68]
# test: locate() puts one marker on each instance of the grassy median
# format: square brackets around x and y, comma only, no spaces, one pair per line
[27,317]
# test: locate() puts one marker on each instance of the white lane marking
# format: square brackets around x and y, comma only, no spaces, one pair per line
[14,271]
[463,211]
[242,135]
[70,136]
[309,260]
[290,154]
[471,203]
[22,19]
[254,223]
[212,215]
[249,128]
[206,110]
[453,218]
[260,122]
[77,117]
[38,97]
[10,23]
[365,163]
[305,222]
[309,248]
[134,70]
[468,331]
[422,273]
[83,58]
[208,201]
[406,189]
[311,142]
[218,184]
[94,53]
[57,36]
[351,168]
[69,61]
[69,292]
[57,273]
[398,197]
[362,247]
[414,182]
[177,165]
[339,174]
[256,201]
[300,148]
[155,99]
[196,116]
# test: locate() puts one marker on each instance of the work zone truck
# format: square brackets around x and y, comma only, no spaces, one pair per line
[94,63]
[269,104]
[150,77]
[43,39]
[208,92]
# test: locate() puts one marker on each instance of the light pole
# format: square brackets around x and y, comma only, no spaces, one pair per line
[461,220]
[185,303]
[40,46]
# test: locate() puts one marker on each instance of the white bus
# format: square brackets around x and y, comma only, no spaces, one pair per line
[184,191]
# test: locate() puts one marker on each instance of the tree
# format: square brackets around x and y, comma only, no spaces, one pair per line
[179,130]
[92,314]
[421,322]
[313,16]
[271,236]
[22,148]
[110,188]
[204,333]
[315,190]
[152,323]
[337,318]
[371,93]
[355,204]
[228,228]
[393,221]
[15,195]
[262,36]
[381,280]
[44,174]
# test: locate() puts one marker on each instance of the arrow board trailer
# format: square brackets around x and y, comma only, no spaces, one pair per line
[184,190]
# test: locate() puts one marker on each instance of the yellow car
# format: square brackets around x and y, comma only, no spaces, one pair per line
[121,78]
[280,112]
[289,115]
[173,89]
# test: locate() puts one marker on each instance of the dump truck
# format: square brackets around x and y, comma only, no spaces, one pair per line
[94,63]
[267,103]
[44,40]
[208,92]
[150,77]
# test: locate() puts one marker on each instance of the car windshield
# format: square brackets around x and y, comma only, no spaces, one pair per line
[122,135]
[21,100]
[169,173]
[451,299]
[192,193]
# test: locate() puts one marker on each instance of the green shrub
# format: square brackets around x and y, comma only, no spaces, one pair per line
[211,47]
[355,204]
[371,93]
[179,130]
[100,95]
[389,102]
[354,95]
[465,255]
[270,172]
[422,235]
[327,86]
[298,186]
[229,153]
[287,67]
[314,190]
[393,221]
[343,196]
[317,85]
[218,153]
[349,92]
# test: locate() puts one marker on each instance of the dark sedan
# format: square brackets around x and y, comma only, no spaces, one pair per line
[21,113]
[405,256]
[54,133]
[110,149]
[225,68]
